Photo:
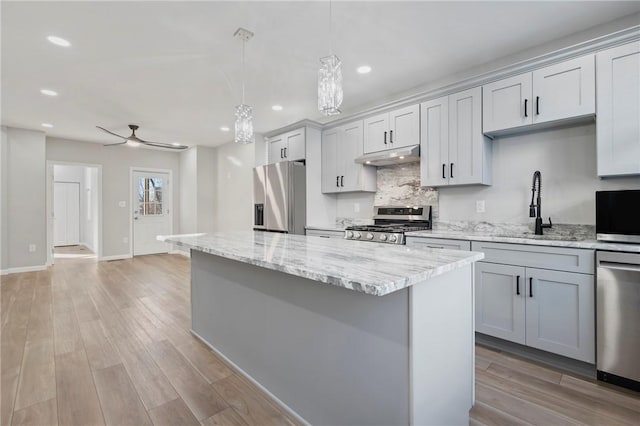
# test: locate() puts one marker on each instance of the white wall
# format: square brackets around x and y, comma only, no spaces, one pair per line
[234,196]
[23,194]
[3,199]
[188,190]
[116,162]
[567,159]
[207,184]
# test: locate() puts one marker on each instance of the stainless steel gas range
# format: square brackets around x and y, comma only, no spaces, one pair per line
[391,223]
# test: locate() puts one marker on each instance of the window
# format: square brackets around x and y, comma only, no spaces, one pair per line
[150,196]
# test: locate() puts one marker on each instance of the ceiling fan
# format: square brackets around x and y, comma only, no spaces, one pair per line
[133,140]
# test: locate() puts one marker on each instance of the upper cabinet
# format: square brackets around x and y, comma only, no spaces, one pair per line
[340,146]
[395,129]
[453,149]
[288,146]
[618,121]
[558,92]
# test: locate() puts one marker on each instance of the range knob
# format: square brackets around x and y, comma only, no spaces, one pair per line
[383,237]
[369,236]
[349,234]
[357,235]
[393,238]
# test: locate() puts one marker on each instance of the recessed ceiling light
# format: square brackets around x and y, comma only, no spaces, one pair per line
[364,69]
[277,107]
[47,125]
[224,128]
[401,157]
[368,162]
[49,92]
[58,41]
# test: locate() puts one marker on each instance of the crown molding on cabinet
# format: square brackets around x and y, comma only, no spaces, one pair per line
[294,126]
[584,48]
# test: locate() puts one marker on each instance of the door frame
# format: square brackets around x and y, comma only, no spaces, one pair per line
[49,205]
[133,169]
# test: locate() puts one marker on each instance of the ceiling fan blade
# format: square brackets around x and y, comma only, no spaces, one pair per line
[162,145]
[111,133]
[114,144]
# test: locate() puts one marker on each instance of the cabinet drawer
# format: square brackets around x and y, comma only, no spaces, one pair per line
[439,243]
[324,234]
[556,258]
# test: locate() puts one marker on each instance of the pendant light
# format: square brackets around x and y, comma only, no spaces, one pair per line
[244,113]
[330,80]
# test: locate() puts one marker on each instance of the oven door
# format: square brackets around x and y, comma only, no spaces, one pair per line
[618,216]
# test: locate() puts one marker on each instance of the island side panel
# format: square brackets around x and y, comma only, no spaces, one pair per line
[333,355]
[442,349]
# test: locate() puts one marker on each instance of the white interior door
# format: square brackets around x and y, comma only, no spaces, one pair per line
[151,211]
[66,213]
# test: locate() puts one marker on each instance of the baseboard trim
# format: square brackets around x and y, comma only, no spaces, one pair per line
[22,269]
[116,257]
[239,370]
[181,252]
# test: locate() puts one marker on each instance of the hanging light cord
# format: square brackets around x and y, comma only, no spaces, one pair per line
[243,42]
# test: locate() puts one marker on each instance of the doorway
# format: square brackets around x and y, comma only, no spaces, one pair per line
[151,201]
[73,211]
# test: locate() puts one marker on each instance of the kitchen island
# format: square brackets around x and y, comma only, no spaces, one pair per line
[340,332]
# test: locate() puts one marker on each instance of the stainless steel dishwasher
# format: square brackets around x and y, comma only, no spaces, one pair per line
[618,318]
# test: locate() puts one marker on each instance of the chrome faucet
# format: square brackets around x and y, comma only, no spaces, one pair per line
[535,209]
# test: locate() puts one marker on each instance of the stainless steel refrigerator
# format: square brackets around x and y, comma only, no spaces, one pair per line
[279,197]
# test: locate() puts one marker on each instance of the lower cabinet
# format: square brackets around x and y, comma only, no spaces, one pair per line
[438,243]
[324,233]
[545,309]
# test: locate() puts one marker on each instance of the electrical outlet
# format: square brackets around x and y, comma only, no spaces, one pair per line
[32,248]
[356,207]
[125,240]
[122,204]
[480,206]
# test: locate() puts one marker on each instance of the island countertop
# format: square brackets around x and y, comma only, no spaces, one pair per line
[366,267]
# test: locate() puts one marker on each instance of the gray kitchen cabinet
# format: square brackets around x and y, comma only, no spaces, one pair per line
[325,233]
[500,305]
[551,94]
[453,149]
[560,313]
[618,122]
[396,129]
[288,146]
[438,243]
[340,146]
[548,309]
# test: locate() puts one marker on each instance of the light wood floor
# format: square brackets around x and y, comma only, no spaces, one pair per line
[89,343]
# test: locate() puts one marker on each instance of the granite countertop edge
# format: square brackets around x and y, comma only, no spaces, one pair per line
[591,244]
[365,286]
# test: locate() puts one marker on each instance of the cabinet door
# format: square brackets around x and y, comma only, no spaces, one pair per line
[376,133]
[434,143]
[618,126]
[330,179]
[499,307]
[295,147]
[466,141]
[438,243]
[560,313]
[503,103]
[404,127]
[564,90]
[350,147]
[277,145]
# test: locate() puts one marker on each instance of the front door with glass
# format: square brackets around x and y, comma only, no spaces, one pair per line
[151,212]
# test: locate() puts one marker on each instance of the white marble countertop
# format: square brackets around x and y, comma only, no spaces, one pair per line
[554,240]
[375,269]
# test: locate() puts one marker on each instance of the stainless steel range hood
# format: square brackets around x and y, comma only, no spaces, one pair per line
[407,154]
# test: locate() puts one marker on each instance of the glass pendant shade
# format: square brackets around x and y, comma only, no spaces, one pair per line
[244,124]
[330,85]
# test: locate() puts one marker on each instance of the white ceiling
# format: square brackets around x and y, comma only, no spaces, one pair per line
[173,67]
